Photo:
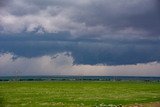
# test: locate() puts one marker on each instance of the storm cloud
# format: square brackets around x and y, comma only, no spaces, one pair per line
[94,18]
[111,52]
[109,33]
[62,64]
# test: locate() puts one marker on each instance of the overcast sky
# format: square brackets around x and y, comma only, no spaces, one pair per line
[80,37]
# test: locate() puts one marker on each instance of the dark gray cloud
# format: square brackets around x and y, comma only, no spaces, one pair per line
[95,31]
[51,35]
[3,3]
[141,16]
[94,18]
[92,52]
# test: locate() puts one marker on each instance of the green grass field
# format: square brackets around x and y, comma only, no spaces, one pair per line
[77,93]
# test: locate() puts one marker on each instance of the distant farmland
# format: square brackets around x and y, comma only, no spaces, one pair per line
[77,93]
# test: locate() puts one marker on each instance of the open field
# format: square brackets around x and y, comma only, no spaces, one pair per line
[77,93]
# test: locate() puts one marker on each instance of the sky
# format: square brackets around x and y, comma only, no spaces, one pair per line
[80,37]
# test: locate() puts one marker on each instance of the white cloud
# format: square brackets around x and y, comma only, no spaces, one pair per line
[62,64]
[50,24]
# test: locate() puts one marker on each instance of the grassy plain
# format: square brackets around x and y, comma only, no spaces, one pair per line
[77,93]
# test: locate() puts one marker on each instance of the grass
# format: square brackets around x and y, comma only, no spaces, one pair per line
[77,93]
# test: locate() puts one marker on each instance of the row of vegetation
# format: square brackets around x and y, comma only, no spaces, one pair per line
[83,79]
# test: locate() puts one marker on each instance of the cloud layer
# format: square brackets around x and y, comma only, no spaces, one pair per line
[62,64]
[80,37]
[94,18]
[86,52]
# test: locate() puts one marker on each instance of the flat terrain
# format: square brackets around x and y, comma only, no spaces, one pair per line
[77,93]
